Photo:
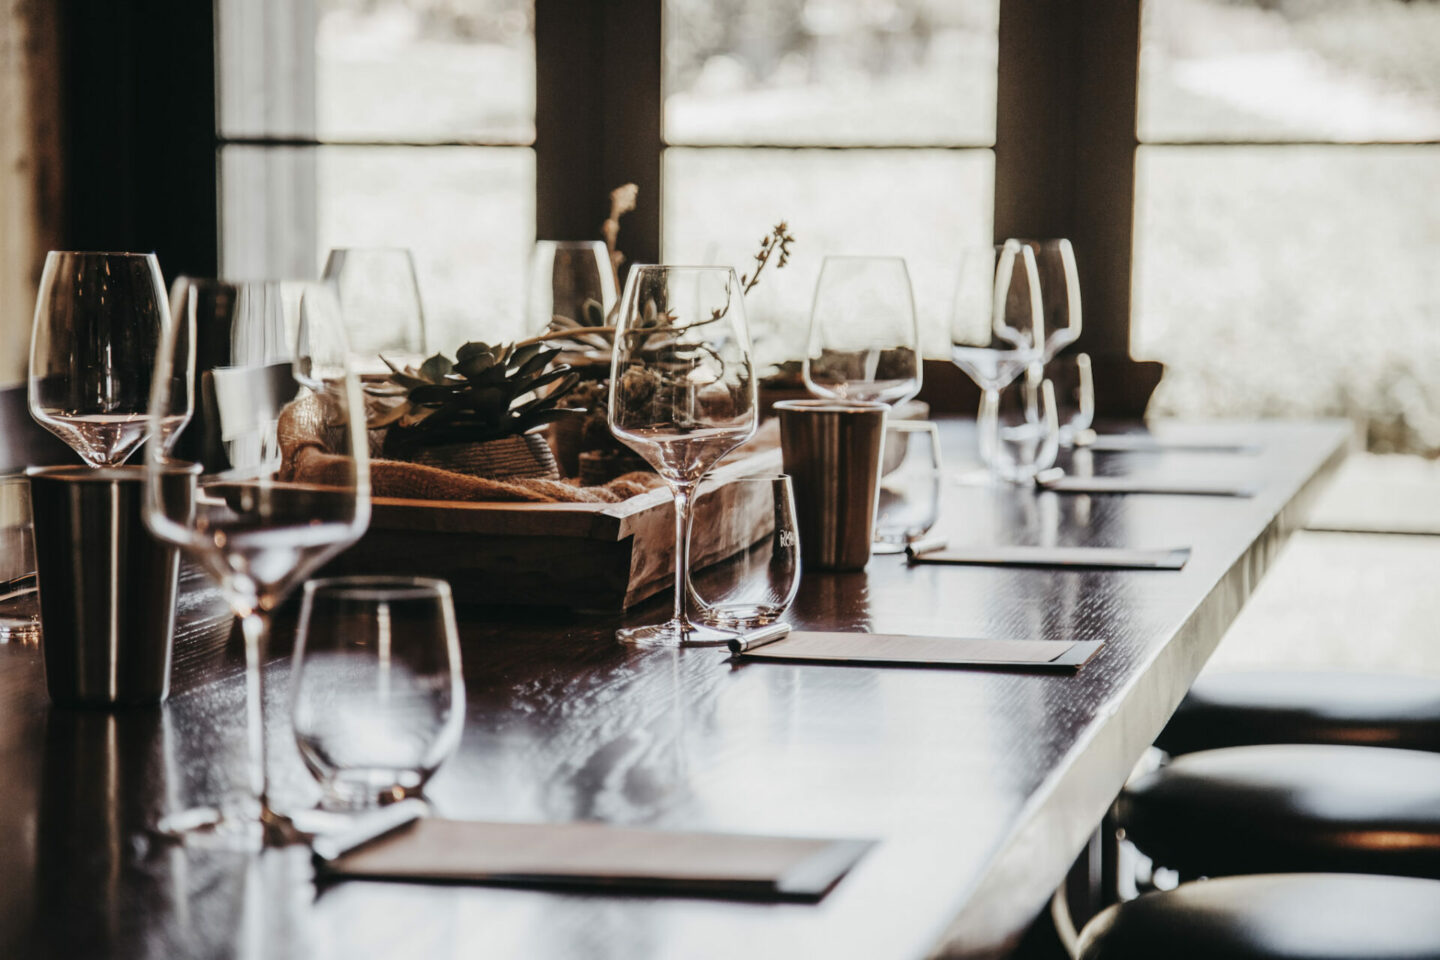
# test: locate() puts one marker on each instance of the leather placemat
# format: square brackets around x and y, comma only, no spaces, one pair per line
[907,650]
[1188,488]
[1115,558]
[601,855]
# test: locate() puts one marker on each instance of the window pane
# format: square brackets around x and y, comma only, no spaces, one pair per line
[821,72]
[924,205]
[378,69]
[467,213]
[1290,69]
[1293,281]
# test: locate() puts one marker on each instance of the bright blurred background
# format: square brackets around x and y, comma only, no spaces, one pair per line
[1287,194]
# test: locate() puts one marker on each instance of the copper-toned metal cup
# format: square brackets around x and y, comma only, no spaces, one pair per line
[107,586]
[831,450]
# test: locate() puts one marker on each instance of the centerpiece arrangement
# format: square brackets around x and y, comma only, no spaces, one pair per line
[480,414]
[495,466]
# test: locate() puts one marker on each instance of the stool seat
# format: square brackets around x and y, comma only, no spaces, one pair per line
[1274,917]
[1289,808]
[1276,706]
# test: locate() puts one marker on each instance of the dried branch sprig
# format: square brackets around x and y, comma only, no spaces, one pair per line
[777,241]
[622,201]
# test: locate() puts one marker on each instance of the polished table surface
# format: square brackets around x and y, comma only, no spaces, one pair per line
[981,785]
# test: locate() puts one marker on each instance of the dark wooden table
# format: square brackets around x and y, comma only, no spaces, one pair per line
[982,786]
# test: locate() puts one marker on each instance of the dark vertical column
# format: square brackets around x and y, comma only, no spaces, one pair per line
[138,93]
[570,125]
[632,104]
[598,79]
[1065,144]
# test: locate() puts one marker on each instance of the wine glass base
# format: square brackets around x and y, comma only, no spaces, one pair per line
[674,633]
[884,547]
[213,828]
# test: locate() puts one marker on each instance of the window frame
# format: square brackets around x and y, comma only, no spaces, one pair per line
[1065,66]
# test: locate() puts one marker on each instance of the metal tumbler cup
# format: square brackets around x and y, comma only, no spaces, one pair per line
[831,450]
[107,586]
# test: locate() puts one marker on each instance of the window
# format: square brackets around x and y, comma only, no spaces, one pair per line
[352,123]
[1288,206]
[866,123]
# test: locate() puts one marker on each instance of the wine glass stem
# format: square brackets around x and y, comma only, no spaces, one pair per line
[683,500]
[256,628]
[989,426]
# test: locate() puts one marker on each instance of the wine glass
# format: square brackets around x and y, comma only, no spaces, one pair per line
[289,489]
[566,278]
[997,328]
[1059,292]
[1019,443]
[682,395]
[908,501]
[864,337]
[380,300]
[377,696]
[756,584]
[99,320]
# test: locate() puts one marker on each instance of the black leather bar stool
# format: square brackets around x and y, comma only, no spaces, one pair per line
[1274,917]
[1288,808]
[1282,706]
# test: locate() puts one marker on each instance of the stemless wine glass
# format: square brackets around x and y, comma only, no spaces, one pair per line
[864,337]
[376,693]
[1020,444]
[908,503]
[757,584]
[380,300]
[565,276]
[99,320]
[682,395]
[289,489]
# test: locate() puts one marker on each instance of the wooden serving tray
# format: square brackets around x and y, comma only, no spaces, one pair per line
[585,556]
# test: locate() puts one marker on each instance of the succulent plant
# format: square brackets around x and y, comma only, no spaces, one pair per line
[486,393]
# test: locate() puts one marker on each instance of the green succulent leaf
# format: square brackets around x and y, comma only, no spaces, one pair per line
[435,368]
[530,421]
[522,357]
[489,403]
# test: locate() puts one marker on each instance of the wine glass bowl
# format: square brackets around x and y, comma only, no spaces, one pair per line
[1059,283]
[682,395]
[996,320]
[570,280]
[383,312]
[99,320]
[864,336]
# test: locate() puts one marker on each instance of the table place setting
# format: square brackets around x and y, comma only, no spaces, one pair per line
[779,642]
[603,856]
[937,550]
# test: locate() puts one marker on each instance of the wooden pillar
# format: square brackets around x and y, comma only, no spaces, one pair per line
[138,91]
[598,72]
[1065,145]
[31,168]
